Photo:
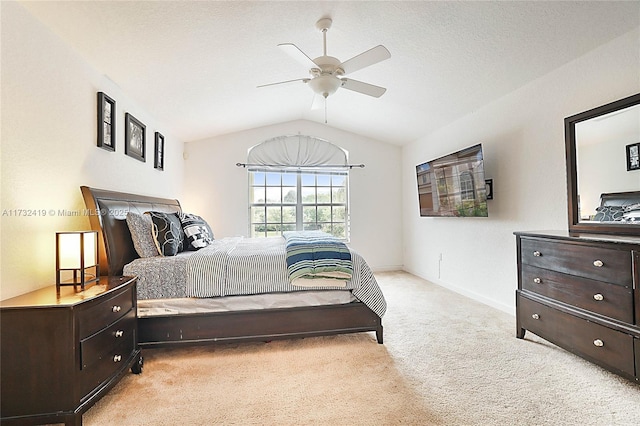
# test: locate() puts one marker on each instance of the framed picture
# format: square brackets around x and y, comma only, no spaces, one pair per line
[134,137]
[633,156]
[158,161]
[106,122]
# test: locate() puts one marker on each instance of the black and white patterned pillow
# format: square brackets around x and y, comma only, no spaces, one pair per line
[140,227]
[631,213]
[167,233]
[609,214]
[197,232]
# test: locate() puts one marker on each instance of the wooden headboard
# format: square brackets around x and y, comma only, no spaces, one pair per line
[107,215]
[619,198]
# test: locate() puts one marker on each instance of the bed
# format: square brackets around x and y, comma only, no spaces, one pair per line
[167,319]
[620,207]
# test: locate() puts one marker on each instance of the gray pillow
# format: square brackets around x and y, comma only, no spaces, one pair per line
[140,226]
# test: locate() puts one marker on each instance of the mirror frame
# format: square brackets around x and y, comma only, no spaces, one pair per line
[572,180]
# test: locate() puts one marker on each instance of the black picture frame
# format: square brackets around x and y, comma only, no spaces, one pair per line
[135,137]
[106,122]
[633,156]
[158,159]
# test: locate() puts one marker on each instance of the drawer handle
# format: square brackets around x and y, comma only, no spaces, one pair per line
[537,253]
[116,308]
[535,316]
[120,333]
[598,297]
[537,280]
[598,263]
[599,343]
[118,358]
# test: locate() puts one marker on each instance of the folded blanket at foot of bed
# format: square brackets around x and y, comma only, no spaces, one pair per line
[316,255]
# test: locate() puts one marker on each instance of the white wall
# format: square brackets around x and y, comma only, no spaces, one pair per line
[604,142]
[218,190]
[523,139]
[49,119]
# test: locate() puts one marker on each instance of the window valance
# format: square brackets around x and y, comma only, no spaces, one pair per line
[297,152]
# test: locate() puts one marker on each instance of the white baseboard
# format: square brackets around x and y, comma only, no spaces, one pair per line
[390,268]
[509,309]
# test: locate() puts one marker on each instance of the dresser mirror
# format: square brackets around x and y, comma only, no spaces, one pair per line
[603,169]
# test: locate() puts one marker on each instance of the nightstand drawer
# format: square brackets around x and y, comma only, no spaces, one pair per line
[107,366]
[100,346]
[600,344]
[610,300]
[602,264]
[106,312]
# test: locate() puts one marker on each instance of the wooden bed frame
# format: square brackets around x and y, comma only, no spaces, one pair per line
[108,216]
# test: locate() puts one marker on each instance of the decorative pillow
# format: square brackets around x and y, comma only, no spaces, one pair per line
[140,227]
[631,213]
[609,213]
[167,233]
[197,232]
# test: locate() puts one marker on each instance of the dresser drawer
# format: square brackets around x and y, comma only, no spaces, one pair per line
[613,301]
[105,312]
[602,264]
[602,345]
[100,345]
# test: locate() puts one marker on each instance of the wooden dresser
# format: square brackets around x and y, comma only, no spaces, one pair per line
[60,353]
[580,292]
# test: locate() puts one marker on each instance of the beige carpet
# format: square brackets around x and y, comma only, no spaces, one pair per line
[447,360]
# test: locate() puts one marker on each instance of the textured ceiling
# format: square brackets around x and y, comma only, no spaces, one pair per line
[195,65]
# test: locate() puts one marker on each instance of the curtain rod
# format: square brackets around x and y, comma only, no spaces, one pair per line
[330,166]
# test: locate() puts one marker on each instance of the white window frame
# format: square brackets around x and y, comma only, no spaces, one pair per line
[467,186]
[275,228]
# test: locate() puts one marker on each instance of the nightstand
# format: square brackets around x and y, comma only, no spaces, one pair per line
[60,353]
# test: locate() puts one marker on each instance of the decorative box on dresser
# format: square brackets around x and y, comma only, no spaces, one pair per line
[580,292]
[60,353]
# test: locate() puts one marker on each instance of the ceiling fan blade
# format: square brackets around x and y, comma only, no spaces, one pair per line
[364,88]
[370,57]
[297,54]
[304,80]
[318,102]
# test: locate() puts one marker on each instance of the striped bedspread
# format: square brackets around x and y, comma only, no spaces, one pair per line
[316,254]
[243,266]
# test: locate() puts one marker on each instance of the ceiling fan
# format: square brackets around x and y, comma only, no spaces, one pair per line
[327,72]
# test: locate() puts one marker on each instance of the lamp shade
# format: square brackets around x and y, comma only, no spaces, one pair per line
[76,257]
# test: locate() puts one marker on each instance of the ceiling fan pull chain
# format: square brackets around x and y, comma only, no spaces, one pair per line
[325,110]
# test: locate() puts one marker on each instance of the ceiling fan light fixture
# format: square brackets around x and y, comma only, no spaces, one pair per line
[325,85]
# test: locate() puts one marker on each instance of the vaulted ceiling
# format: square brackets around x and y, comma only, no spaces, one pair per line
[195,65]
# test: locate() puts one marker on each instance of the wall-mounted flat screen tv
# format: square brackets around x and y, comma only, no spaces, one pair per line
[453,185]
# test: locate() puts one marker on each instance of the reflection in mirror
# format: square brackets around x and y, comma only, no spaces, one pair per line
[603,180]
[601,160]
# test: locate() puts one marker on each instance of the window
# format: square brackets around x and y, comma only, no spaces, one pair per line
[284,200]
[467,187]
